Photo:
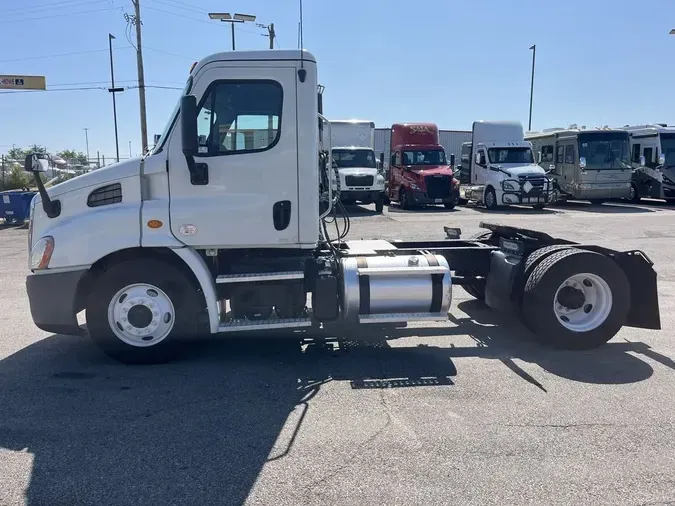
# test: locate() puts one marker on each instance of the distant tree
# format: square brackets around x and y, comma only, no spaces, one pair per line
[36,148]
[73,157]
[17,154]
[17,179]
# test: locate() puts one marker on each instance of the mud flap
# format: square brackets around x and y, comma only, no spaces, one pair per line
[505,270]
[644,301]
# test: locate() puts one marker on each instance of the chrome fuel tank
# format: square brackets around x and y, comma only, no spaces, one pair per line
[379,289]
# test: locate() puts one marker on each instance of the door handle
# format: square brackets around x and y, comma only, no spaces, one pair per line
[281,214]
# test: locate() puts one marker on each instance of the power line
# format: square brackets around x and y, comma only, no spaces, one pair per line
[179,6]
[48,6]
[109,9]
[170,54]
[60,54]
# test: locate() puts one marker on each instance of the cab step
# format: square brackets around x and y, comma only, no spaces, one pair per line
[260,276]
[272,323]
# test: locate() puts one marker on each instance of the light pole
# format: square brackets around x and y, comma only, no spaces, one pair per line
[226,17]
[86,139]
[672,32]
[114,90]
[534,54]
[129,150]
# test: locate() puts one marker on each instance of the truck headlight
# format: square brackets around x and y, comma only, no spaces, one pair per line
[510,186]
[41,253]
[379,179]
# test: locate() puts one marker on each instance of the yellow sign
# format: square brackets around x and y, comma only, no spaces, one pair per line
[23,83]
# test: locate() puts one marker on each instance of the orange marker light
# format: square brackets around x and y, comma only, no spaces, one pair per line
[154,224]
[192,67]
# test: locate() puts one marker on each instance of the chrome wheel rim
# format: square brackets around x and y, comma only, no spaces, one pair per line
[141,315]
[582,302]
[489,199]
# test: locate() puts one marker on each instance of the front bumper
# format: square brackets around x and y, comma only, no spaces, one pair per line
[52,300]
[362,195]
[528,194]
[420,198]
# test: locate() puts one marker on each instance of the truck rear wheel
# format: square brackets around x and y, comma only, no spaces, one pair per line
[139,308]
[575,299]
[404,199]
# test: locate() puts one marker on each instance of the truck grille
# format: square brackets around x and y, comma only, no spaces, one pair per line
[538,185]
[438,187]
[359,180]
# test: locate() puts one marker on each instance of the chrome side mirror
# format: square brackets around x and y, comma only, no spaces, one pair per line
[582,162]
[662,159]
[642,161]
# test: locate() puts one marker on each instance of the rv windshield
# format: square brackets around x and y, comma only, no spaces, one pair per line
[354,158]
[510,155]
[605,150]
[668,148]
[424,157]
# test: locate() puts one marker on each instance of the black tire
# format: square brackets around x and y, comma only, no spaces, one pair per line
[476,290]
[450,205]
[538,255]
[539,207]
[187,302]
[404,199]
[541,287]
[348,202]
[493,201]
[597,202]
[379,205]
[634,196]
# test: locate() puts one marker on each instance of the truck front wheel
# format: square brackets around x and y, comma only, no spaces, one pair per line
[575,299]
[490,200]
[379,204]
[139,308]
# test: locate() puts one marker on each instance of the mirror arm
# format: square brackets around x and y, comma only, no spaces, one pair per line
[51,208]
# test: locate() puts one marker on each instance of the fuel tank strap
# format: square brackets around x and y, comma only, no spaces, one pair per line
[364,287]
[436,284]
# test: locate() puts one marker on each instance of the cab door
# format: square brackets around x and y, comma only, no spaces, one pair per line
[247,129]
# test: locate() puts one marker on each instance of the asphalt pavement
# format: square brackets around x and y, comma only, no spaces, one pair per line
[472,411]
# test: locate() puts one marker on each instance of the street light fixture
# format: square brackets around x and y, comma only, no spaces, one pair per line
[226,17]
[672,32]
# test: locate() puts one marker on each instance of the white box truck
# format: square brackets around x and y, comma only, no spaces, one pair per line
[361,177]
[214,237]
[502,169]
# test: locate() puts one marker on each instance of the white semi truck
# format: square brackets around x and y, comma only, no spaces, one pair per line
[225,227]
[361,177]
[502,169]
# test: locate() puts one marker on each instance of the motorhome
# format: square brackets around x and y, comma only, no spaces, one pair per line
[216,237]
[419,173]
[361,177]
[585,164]
[652,150]
[464,173]
[501,168]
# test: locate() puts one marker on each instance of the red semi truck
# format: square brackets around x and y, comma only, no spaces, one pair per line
[419,173]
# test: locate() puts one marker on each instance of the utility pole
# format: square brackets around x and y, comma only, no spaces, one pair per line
[141,78]
[271,34]
[114,90]
[86,139]
[534,54]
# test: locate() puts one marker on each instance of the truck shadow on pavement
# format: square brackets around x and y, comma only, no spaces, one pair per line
[201,429]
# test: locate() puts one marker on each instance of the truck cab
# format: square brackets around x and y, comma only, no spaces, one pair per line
[419,173]
[361,176]
[585,164]
[231,224]
[502,170]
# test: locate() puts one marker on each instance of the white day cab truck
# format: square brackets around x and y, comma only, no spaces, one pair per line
[224,228]
[361,179]
[502,169]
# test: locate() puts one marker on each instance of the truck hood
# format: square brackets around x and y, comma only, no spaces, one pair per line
[357,171]
[431,170]
[98,177]
[516,170]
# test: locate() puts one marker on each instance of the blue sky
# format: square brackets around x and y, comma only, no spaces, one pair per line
[449,62]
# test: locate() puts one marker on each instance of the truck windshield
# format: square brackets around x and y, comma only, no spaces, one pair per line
[424,157]
[510,155]
[668,148]
[605,151]
[354,158]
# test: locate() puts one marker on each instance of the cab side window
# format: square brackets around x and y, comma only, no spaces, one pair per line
[239,117]
[547,153]
[398,158]
[569,153]
[636,153]
[561,154]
